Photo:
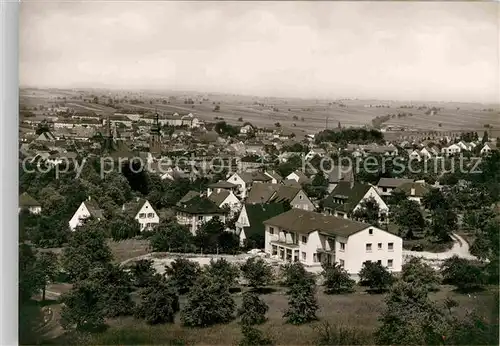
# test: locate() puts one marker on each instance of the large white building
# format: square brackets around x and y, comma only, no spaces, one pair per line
[312,238]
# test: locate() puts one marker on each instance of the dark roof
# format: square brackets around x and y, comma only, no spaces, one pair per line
[258,213]
[303,221]
[275,175]
[222,184]
[94,209]
[188,196]
[352,195]
[132,208]
[292,182]
[218,197]
[421,189]
[340,173]
[303,179]
[261,193]
[249,177]
[25,200]
[199,205]
[393,182]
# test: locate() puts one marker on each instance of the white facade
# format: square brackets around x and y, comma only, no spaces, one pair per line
[486,149]
[32,210]
[81,214]
[240,224]
[370,244]
[452,149]
[147,217]
[293,176]
[242,185]
[194,221]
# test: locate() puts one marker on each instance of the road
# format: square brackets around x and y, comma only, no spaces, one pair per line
[460,248]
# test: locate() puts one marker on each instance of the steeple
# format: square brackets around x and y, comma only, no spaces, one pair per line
[155,141]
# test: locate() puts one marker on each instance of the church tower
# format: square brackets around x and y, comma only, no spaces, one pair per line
[155,140]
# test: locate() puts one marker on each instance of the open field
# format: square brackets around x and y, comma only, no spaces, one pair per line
[127,249]
[316,114]
[358,310]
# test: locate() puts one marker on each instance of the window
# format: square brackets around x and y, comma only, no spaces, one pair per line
[315,257]
[370,231]
[304,256]
[342,246]
[389,263]
[271,230]
[384,189]
[369,247]
[300,196]
[341,262]
[390,246]
[304,239]
[200,218]
[379,246]
[151,215]
[142,215]
[275,250]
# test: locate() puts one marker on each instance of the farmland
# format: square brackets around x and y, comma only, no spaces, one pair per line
[297,114]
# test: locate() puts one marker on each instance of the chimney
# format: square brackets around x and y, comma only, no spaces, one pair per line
[412,191]
[88,199]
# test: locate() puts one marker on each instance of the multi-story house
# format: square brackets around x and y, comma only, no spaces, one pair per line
[414,190]
[29,203]
[142,211]
[86,210]
[196,211]
[347,197]
[386,185]
[312,238]
[278,193]
[245,180]
[249,225]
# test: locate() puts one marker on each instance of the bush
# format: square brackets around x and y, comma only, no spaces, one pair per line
[183,273]
[253,309]
[462,273]
[302,304]
[375,276]
[341,335]
[252,336]
[420,274]
[159,303]
[224,271]
[337,280]
[257,272]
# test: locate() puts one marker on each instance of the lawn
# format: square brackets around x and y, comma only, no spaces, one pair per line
[129,248]
[358,310]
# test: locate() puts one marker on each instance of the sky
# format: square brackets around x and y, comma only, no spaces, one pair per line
[446,51]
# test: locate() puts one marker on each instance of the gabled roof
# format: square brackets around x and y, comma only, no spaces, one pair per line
[291,182]
[303,221]
[258,213]
[393,182]
[340,173]
[275,175]
[218,197]
[302,177]
[222,184]
[249,177]
[188,196]
[26,201]
[94,209]
[351,195]
[261,193]
[133,208]
[421,189]
[199,205]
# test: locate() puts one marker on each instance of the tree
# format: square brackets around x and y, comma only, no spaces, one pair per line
[397,197]
[47,267]
[294,273]
[30,280]
[217,108]
[277,124]
[208,302]
[410,318]
[435,199]
[337,280]
[368,211]
[375,276]
[302,303]
[320,185]
[183,274]
[115,286]
[83,307]
[124,228]
[172,237]
[224,271]
[257,272]
[485,137]
[418,273]
[443,223]
[207,236]
[87,249]
[463,273]
[252,336]
[409,218]
[253,310]
[143,273]
[159,302]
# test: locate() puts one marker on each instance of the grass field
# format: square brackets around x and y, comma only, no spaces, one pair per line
[358,310]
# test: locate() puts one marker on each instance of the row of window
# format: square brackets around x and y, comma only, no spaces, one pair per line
[143,215]
[390,247]
[390,262]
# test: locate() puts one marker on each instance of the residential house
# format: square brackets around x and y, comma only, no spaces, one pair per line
[275,177]
[415,190]
[142,211]
[221,185]
[299,177]
[245,180]
[225,199]
[196,211]
[278,193]
[312,238]
[250,222]
[347,197]
[87,209]
[315,152]
[487,148]
[451,150]
[386,185]
[246,129]
[339,173]
[29,203]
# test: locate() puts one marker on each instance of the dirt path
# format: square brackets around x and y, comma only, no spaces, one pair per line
[460,248]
